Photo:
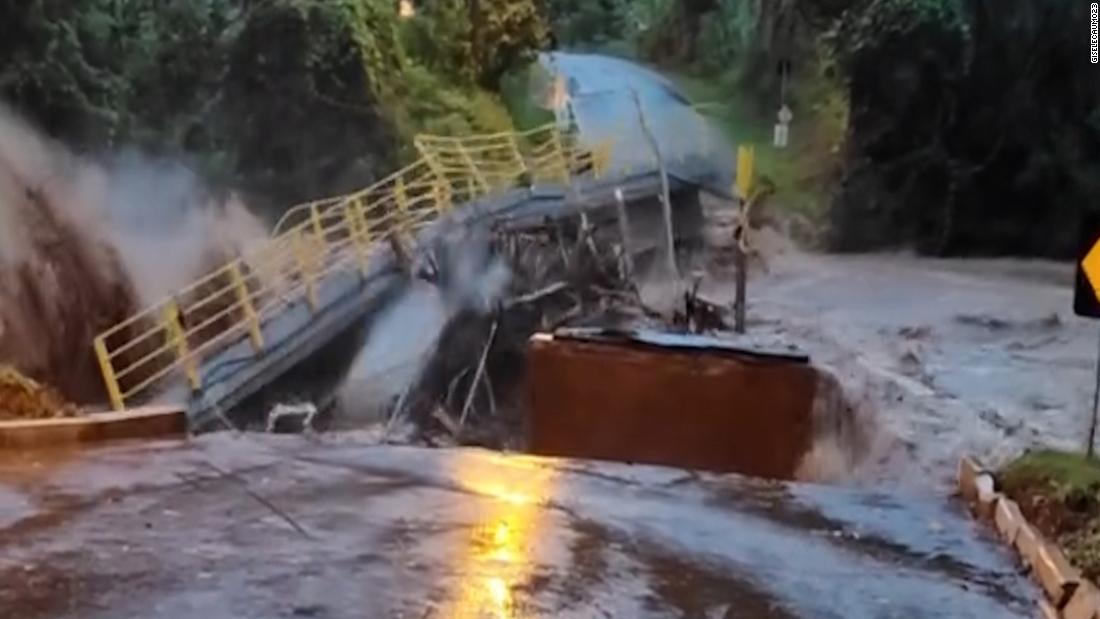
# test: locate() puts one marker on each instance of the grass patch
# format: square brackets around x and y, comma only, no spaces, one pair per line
[1066,473]
[1058,493]
[1065,470]
[739,119]
[432,104]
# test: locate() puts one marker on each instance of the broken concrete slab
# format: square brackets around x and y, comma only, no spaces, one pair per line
[969,469]
[986,500]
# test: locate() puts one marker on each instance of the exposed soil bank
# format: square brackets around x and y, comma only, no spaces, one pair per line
[23,398]
[83,246]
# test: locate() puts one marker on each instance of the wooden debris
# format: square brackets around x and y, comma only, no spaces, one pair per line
[566,272]
[447,421]
[538,295]
[477,375]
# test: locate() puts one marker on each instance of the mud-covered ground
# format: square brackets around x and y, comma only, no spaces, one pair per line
[944,357]
[265,526]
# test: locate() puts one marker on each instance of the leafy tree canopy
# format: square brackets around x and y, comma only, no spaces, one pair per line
[288,98]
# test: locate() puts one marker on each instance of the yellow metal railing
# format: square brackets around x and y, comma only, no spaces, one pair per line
[314,240]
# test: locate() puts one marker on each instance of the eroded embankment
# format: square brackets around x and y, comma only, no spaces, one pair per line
[83,245]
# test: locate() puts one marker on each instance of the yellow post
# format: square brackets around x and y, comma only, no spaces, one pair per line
[475,173]
[244,297]
[301,251]
[605,152]
[442,197]
[364,222]
[108,371]
[356,227]
[401,197]
[318,227]
[746,160]
[559,149]
[177,336]
[517,155]
[433,165]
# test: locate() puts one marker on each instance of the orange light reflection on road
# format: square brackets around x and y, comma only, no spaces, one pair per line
[498,556]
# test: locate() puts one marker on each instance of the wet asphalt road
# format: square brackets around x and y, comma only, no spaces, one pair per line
[602,95]
[265,526]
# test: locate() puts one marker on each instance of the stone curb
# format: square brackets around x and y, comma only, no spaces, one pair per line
[1068,595]
[1083,603]
[138,423]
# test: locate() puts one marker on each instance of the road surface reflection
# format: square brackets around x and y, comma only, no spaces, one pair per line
[500,552]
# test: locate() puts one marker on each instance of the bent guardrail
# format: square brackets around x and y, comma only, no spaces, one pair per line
[316,239]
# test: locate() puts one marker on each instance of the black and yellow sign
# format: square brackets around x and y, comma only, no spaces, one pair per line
[1086,296]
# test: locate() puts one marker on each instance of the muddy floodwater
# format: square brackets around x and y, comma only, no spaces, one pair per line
[957,360]
[265,526]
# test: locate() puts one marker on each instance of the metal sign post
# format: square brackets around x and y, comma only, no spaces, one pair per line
[1096,407]
[1086,300]
[783,127]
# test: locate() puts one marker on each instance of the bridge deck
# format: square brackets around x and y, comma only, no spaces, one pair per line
[226,336]
[346,294]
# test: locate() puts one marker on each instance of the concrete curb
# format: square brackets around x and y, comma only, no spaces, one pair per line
[146,422]
[1083,603]
[1068,594]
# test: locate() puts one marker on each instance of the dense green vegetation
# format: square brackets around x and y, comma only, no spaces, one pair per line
[288,99]
[955,126]
[1072,477]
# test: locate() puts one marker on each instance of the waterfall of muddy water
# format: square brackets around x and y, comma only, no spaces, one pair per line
[83,245]
[403,338]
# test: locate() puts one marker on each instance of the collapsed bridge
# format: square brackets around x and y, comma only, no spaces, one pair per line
[246,325]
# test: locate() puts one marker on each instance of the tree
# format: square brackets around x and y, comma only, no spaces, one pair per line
[507,33]
[476,41]
[100,72]
[586,22]
[974,126]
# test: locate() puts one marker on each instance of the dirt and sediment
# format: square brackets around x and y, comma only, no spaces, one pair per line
[86,243]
